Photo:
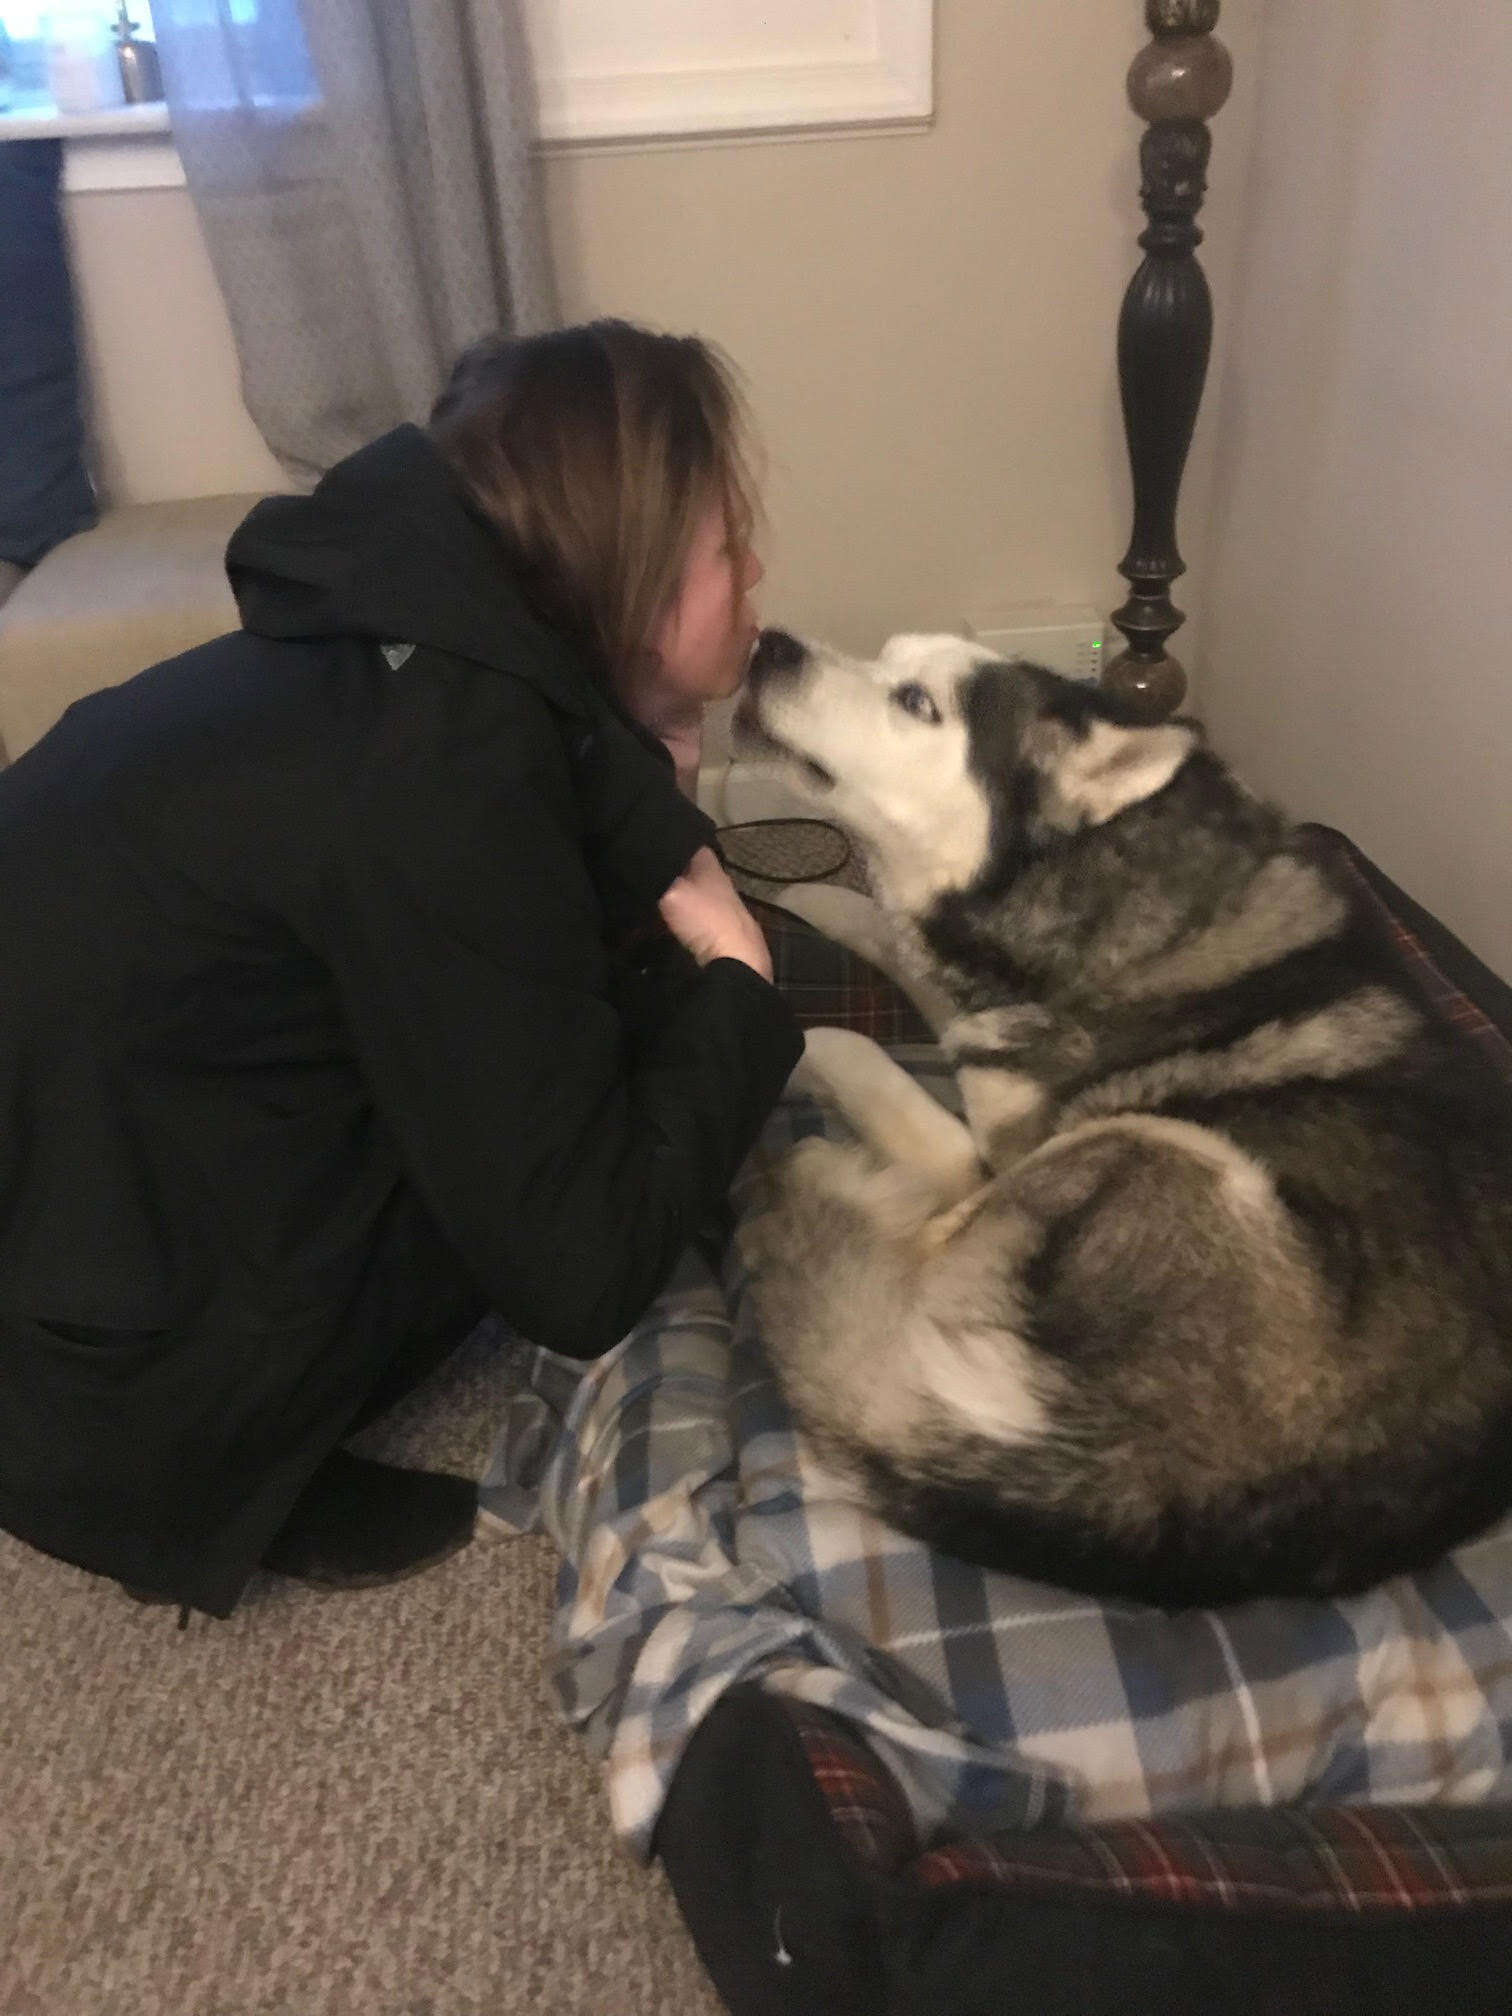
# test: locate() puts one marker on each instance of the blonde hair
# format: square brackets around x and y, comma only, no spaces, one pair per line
[593,452]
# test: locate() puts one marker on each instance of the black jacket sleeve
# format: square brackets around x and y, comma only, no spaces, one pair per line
[567,1160]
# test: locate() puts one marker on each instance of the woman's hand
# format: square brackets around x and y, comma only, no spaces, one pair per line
[704,913]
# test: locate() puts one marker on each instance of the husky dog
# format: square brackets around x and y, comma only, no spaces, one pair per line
[1211,1296]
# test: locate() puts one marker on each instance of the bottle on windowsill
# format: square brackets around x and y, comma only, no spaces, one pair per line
[141,72]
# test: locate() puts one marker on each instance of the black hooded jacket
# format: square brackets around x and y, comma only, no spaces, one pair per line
[317,1034]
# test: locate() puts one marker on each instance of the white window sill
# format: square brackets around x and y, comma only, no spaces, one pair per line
[104,152]
[119,122]
[126,147]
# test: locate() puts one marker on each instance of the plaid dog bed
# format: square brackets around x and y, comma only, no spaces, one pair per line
[1318,1858]
[1025,1800]
[702,1545]
[827,986]
[803,1881]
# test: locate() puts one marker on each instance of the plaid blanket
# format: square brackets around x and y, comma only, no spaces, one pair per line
[702,1545]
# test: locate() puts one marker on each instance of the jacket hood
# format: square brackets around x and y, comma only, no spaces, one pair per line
[386,548]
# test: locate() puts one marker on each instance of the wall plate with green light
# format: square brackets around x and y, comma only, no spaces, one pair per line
[1067,637]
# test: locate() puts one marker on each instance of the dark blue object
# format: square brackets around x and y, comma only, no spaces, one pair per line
[45,491]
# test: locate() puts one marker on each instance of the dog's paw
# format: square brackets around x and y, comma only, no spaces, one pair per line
[816,1163]
[815,1172]
[839,1064]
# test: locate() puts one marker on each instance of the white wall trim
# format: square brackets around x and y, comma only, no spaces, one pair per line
[877,72]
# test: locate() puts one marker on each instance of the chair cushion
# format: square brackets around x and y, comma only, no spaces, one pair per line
[147,582]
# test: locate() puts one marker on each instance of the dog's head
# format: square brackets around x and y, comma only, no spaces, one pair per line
[946,762]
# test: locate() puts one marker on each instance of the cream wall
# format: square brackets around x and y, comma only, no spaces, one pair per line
[167,415]
[1354,650]
[925,321]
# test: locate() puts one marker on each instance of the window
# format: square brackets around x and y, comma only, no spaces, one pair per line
[243,52]
[24,83]
[238,51]
[637,72]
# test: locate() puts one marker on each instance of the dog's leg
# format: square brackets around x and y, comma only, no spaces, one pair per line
[890,1112]
[861,926]
[878,1337]
[1007,1061]
[832,1262]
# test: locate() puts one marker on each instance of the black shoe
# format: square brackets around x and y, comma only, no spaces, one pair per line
[357,1523]
[154,1599]
[148,1598]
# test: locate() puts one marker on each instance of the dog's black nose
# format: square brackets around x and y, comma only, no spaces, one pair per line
[776,652]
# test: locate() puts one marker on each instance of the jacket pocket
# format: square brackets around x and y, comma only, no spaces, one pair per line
[98,1337]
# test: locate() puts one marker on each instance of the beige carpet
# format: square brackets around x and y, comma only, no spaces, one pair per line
[341,1805]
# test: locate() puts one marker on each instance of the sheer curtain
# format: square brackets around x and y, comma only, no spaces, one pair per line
[362,173]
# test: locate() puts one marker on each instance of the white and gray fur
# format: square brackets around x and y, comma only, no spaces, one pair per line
[1211,1296]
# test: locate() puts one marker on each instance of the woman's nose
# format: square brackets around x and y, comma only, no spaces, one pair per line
[754,572]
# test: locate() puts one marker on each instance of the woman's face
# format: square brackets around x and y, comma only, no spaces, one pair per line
[703,643]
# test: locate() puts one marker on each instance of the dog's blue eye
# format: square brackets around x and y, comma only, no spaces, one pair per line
[918,701]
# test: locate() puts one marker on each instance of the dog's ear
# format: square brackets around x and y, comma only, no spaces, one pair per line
[1101,773]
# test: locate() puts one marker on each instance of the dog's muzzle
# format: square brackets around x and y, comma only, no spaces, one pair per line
[777,657]
[776,653]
